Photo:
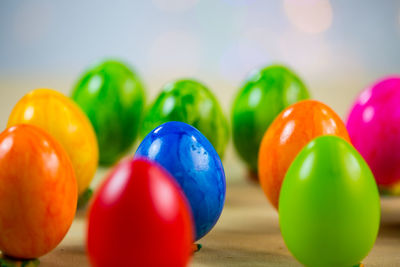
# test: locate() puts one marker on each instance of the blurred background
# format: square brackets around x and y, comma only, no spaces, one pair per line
[337,47]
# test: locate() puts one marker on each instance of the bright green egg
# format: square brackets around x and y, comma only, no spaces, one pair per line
[329,208]
[264,95]
[191,102]
[112,96]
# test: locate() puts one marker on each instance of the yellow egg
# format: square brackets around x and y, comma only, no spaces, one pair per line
[66,122]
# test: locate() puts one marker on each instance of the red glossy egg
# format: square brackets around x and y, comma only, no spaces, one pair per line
[139,217]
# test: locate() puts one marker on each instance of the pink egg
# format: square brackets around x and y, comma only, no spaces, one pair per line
[374,128]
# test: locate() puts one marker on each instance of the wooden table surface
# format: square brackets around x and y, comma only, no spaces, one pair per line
[247,233]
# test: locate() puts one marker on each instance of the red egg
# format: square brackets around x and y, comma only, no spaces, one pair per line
[139,217]
[38,192]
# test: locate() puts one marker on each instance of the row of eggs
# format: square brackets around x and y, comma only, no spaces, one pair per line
[141,214]
[294,127]
[113,98]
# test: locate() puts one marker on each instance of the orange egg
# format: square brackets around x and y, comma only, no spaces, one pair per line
[291,130]
[65,121]
[38,192]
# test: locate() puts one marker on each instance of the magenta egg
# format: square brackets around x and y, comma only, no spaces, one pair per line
[374,128]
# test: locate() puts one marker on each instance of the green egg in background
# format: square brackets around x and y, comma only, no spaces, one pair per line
[329,207]
[191,102]
[113,98]
[264,95]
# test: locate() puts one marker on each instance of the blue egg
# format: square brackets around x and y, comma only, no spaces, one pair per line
[191,159]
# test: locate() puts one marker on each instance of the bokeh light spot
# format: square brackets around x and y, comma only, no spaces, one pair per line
[309,16]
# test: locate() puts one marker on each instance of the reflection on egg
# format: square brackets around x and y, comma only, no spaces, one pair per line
[374,128]
[329,209]
[191,159]
[288,134]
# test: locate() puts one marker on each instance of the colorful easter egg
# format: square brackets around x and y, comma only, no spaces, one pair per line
[139,217]
[374,129]
[191,159]
[112,96]
[265,94]
[193,103]
[329,207]
[292,129]
[64,120]
[38,192]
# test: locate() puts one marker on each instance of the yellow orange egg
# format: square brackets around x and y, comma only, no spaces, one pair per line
[65,121]
[38,192]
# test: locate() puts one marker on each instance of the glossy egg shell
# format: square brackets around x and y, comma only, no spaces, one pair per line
[65,121]
[113,98]
[38,192]
[295,127]
[374,128]
[191,102]
[191,159]
[329,207]
[264,95]
[139,217]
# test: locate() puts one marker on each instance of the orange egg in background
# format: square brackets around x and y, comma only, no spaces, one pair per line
[291,130]
[38,192]
[66,122]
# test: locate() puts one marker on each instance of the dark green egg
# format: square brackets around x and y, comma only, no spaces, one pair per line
[191,102]
[264,95]
[113,98]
